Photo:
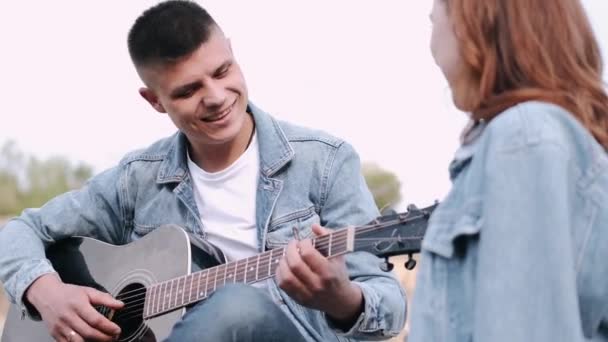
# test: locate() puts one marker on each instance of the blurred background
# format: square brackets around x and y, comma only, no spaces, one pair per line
[360,70]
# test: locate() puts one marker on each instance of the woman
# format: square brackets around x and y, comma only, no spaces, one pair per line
[518,250]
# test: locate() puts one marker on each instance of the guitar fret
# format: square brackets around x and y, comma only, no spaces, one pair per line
[338,246]
[164,299]
[322,248]
[257,267]
[251,269]
[155,299]
[232,272]
[184,290]
[270,263]
[242,270]
[199,293]
[344,241]
[225,273]
[246,267]
[147,300]
[150,299]
[217,270]
[277,259]
[159,294]
[190,293]
[161,299]
[177,291]
[156,302]
[171,292]
[206,283]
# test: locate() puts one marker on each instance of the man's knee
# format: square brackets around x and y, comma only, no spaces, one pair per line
[233,307]
[236,312]
[238,304]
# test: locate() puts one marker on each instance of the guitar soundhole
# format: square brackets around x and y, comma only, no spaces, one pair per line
[130,317]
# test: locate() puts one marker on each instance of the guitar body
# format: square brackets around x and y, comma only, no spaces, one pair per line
[163,254]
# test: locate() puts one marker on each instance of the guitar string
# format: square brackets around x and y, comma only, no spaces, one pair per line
[141,300]
[319,244]
[240,267]
[264,263]
[239,274]
[323,239]
[139,309]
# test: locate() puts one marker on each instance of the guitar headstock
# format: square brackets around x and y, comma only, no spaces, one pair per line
[395,233]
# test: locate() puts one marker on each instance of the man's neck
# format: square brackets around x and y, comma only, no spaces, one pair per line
[214,158]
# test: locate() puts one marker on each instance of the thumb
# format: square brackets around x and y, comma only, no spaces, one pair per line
[102,298]
[320,230]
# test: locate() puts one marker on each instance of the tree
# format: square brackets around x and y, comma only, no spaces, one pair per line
[11,162]
[383,184]
[30,184]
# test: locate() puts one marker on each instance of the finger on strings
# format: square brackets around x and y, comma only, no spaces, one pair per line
[290,283]
[98,321]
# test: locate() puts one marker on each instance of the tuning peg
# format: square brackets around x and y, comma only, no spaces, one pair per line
[412,207]
[386,266]
[410,263]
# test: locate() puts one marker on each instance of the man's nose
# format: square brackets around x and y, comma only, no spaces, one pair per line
[214,95]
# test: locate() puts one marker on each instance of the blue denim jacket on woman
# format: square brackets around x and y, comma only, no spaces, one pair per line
[306,177]
[518,250]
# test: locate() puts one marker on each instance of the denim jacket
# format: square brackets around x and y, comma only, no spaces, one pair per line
[518,249]
[306,177]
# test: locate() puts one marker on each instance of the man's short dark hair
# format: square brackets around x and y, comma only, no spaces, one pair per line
[169,31]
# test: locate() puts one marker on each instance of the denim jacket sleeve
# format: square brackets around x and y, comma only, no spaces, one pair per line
[525,286]
[93,211]
[348,201]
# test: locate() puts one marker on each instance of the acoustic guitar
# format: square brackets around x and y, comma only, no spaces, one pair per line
[153,277]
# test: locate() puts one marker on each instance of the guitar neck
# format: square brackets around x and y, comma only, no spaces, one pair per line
[176,293]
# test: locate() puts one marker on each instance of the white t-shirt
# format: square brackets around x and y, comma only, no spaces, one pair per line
[226,202]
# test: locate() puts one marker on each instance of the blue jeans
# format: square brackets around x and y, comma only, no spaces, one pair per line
[236,312]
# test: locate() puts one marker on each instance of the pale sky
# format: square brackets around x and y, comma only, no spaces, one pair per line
[360,70]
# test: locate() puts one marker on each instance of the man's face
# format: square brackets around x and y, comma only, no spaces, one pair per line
[204,94]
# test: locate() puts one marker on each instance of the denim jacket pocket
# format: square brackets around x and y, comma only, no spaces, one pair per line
[140,229]
[449,223]
[281,229]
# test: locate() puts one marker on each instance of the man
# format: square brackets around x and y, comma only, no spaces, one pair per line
[233,176]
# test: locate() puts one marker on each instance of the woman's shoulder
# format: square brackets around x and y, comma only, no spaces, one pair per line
[533,123]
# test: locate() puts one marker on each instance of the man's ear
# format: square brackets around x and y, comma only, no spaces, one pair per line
[152,99]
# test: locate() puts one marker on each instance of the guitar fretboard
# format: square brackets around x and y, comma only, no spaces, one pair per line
[179,292]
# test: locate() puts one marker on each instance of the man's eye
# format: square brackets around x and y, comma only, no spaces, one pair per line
[222,72]
[185,94]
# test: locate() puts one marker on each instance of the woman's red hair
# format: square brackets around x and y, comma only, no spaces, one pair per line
[520,50]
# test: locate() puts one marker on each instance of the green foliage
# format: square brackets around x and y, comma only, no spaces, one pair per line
[28,182]
[383,184]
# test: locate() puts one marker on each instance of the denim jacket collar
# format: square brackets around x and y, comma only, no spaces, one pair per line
[467,150]
[275,150]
